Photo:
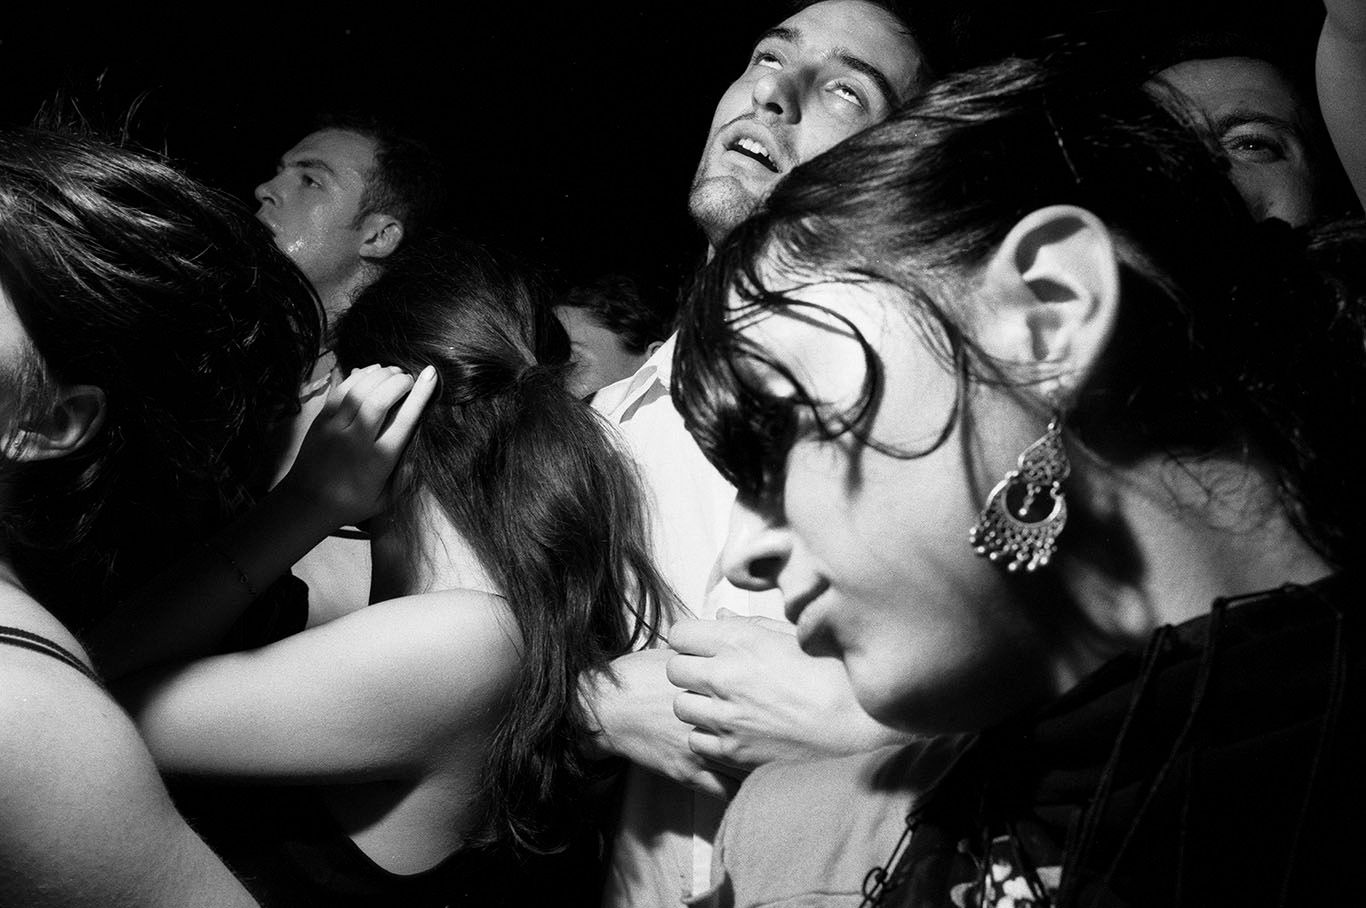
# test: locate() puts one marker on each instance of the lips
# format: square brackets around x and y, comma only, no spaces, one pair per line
[747,137]
[753,148]
[793,606]
[260,216]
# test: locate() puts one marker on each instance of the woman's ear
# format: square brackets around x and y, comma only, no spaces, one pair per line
[1050,297]
[66,427]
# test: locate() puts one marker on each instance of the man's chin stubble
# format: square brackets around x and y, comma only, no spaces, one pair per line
[718,205]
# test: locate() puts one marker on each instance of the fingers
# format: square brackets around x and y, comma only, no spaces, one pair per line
[344,400]
[774,625]
[376,399]
[759,621]
[365,400]
[719,756]
[698,711]
[403,421]
[690,673]
[698,637]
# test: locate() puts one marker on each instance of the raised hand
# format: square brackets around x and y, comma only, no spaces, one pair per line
[351,448]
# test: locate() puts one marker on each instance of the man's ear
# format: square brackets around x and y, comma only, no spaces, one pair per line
[1051,297]
[653,348]
[65,428]
[381,236]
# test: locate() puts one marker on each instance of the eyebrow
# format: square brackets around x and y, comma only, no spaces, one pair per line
[857,64]
[311,163]
[1244,116]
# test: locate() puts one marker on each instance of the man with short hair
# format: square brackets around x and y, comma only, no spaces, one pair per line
[745,692]
[612,332]
[344,199]
[342,202]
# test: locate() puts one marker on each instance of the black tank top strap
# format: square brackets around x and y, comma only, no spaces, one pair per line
[27,640]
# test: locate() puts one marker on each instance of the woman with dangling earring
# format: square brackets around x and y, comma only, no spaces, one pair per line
[1058,452]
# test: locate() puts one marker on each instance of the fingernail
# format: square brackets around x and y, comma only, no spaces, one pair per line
[428,373]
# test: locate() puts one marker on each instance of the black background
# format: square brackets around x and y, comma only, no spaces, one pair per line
[571,130]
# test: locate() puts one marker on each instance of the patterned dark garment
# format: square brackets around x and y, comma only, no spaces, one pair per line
[1225,765]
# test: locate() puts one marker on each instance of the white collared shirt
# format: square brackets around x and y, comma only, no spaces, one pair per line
[663,848]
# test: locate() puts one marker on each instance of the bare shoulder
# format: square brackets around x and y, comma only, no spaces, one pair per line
[19,610]
[84,816]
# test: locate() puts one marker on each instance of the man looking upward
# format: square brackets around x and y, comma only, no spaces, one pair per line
[745,692]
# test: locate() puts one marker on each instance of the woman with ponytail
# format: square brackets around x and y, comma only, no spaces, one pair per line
[1060,454]
[423,750]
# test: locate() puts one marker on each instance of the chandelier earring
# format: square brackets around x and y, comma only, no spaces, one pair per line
[1026,512]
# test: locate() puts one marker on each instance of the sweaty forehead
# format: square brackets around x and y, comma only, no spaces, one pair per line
[860,30]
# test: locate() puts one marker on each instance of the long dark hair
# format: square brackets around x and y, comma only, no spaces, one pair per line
[550,505]
[130,276]
[1231,335]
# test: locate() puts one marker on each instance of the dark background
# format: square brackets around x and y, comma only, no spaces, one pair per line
[571,130]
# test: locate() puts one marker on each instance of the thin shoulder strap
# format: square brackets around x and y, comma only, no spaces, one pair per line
[27,640]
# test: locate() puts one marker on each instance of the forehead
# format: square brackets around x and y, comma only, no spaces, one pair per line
[858,29]
[1221,85]
[343,151]
[576,321]
[585,332]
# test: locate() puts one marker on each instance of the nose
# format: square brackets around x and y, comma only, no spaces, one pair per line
[266,193]
[757,546]
[776,97]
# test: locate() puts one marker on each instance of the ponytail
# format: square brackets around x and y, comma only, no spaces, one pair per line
[549,504]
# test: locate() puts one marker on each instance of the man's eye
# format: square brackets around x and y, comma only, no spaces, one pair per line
[1255,148]
[764,58]
[846,92]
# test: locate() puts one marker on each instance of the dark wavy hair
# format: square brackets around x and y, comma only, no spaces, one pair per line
[1230,336]
[130,276]
[550,505]
[614,302]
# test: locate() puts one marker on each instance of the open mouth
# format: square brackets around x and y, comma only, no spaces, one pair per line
[751,148]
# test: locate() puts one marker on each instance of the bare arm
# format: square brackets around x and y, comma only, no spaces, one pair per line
[382,693]
[1341,70]
[339,477]
[84,817]
[752,696]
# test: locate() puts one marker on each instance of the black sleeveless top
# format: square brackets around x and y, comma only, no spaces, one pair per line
[283,844]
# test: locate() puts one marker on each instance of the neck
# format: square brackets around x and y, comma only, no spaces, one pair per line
[437,557]
[1157,544]
[338,293]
